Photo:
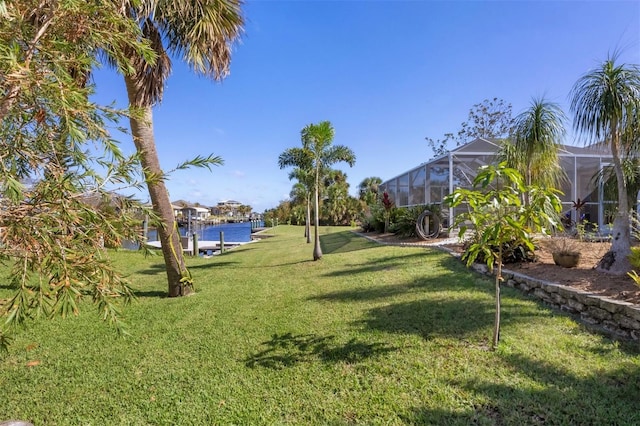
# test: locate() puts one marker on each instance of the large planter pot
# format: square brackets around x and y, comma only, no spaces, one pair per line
[566,260]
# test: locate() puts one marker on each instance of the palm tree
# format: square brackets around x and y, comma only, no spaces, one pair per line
[316,157]
[300,198]
[606,177]
[605,103]
[202,33]
[244,211]
[303,190]
[318,139]
[368,190]
[535,141]
[354,209]
[337,196]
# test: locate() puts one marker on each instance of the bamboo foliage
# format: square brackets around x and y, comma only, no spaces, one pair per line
[57,158]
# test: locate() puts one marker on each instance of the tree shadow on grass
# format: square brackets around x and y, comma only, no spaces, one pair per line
[213,264]
[150,294]
[401,261]
[277,265]
[447,307]
[239,249]
[628,347]
[477,414]
[158,268]
[287,350]
[458,318]
[342,242]
[555,396]
[421,285]
[455,277]
[429,319]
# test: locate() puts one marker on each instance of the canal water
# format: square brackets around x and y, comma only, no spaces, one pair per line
[233,232]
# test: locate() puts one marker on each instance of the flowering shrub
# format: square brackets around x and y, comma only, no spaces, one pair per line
[388,204]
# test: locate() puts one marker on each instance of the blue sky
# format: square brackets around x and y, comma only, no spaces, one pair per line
[386,74]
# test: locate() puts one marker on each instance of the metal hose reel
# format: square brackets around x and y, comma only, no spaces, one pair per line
[428,225]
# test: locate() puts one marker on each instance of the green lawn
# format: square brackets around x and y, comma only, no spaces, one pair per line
[370,334]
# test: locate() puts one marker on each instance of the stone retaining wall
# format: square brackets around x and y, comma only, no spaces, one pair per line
[621,319]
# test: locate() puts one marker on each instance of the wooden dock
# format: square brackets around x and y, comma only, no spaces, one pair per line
[203,246]
[258,233]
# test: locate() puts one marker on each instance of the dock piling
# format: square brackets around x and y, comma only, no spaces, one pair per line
[195,244]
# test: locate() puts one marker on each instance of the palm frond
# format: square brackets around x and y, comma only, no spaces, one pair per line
[606,98]
[201,162]
[150,77]
[339,153]
[534,143]
[201,31]
[297,157]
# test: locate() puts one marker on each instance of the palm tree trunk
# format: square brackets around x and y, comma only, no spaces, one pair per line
[143,138]
[307,223]
[496,322]
[528,183]
[317,250]
[616,260]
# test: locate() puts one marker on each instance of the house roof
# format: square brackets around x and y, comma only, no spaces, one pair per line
[197,209]
[489,146]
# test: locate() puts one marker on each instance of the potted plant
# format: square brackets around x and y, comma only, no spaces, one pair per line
[564,250]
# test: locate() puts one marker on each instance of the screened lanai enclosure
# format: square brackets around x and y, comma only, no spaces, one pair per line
[430,182]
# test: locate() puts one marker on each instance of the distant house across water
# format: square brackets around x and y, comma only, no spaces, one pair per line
[229,210]
[184,211]
[226,208]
